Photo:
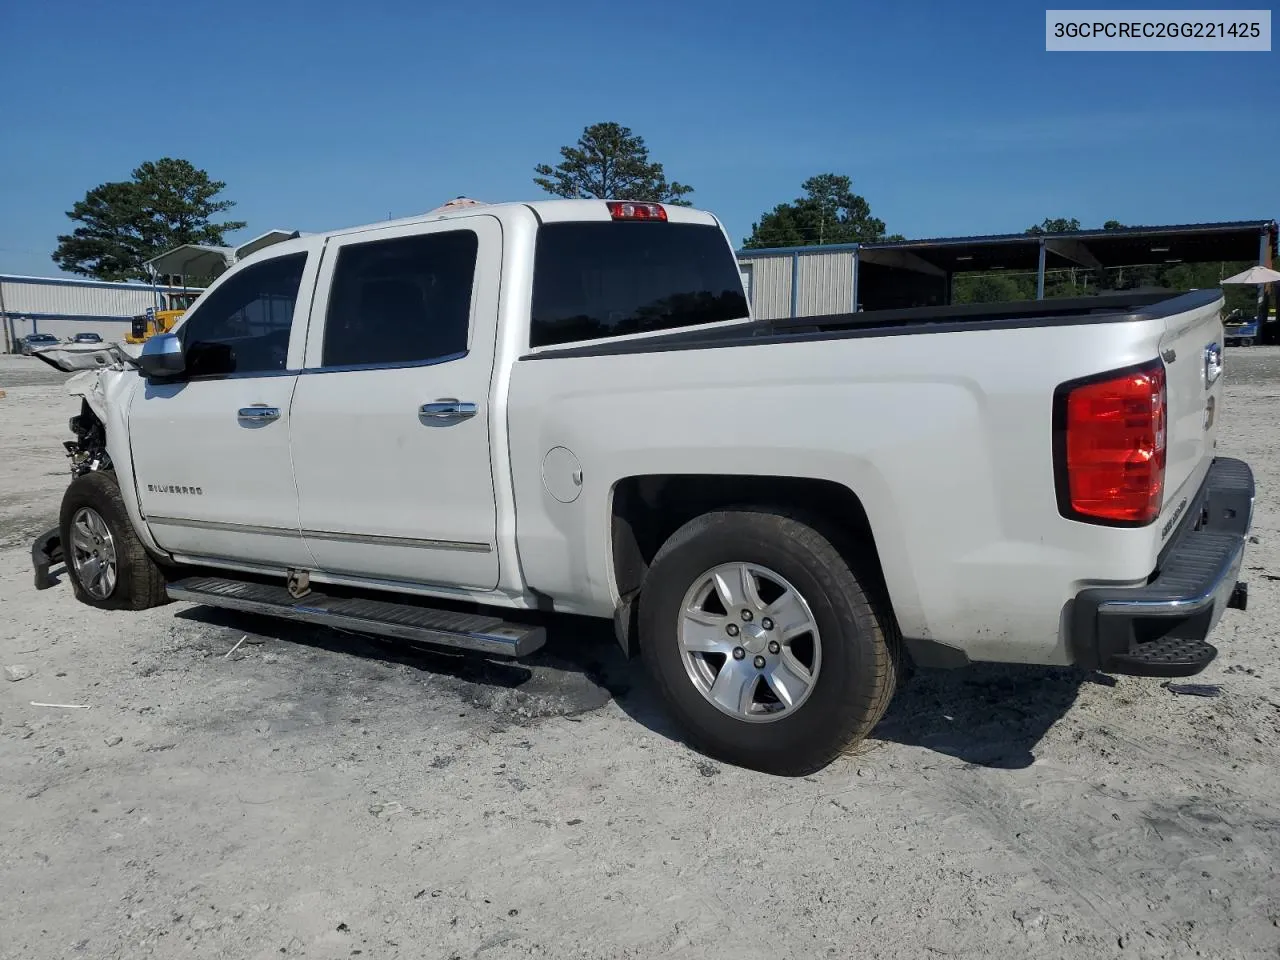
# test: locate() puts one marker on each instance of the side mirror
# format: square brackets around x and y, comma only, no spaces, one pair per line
[162,356]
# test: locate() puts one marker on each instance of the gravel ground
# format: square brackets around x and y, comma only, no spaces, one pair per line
[318,794]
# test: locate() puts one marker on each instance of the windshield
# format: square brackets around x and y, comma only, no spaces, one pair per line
[594,280]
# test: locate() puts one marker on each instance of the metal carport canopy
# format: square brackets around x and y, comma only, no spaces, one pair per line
[200,260]
[191,260]
[1122,247]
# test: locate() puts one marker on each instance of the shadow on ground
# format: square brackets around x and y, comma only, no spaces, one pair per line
[989,715]
[580,669]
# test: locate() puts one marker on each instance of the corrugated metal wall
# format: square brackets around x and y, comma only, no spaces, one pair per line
[826,283]
[66,307]
[42,297]
[66,329]
[770,286]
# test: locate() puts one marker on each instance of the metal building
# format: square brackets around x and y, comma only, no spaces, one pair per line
[64,307]
[816,280]
[799,281]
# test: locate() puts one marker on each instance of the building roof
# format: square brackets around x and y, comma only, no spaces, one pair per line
[204,260]
[1125,246]
[77,282]
[1230,226]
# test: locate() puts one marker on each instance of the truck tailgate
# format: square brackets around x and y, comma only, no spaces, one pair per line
[1192,349]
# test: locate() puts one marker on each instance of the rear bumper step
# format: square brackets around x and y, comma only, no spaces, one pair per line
[387,618]
[1160,630]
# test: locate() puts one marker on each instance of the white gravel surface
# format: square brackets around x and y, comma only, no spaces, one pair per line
[318,794]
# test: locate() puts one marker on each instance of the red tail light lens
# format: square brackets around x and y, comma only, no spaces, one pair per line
[631,210]
[1109,439]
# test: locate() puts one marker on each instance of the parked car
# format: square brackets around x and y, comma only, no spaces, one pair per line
[33,341]
[460,424]
[88,337]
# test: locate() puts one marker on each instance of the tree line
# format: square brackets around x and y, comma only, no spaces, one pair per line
[170,202]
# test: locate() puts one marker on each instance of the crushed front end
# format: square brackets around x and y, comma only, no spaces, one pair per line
[88,451]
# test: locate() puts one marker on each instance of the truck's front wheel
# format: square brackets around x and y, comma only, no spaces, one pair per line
[106,562]
[764,643]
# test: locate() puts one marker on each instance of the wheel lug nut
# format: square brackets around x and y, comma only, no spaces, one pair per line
[759,662]
[746,616]
[774,647]
[731,629]
[738,653]
[767,623]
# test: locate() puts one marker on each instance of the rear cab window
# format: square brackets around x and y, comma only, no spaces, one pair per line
[601,279]
[401,301]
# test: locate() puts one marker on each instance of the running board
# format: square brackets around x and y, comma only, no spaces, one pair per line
[387,618]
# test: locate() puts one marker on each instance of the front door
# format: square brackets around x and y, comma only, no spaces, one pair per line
[211,453]
[390,424]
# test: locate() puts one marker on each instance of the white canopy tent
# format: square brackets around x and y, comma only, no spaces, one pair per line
[1255,275]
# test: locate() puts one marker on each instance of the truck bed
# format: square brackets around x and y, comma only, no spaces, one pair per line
[1109,308]
[947,442]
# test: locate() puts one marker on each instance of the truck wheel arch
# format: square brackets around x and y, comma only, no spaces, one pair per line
[646,510]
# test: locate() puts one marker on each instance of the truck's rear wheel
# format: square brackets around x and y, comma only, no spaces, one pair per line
[764,642]
[106,562]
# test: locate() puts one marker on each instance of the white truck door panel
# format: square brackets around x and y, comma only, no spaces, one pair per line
[211,453]
[390,424]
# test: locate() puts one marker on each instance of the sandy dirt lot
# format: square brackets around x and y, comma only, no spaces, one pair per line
[321,795]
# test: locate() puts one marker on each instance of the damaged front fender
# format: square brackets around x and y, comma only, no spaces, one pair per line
[94,368]
[105,378]
[70,357]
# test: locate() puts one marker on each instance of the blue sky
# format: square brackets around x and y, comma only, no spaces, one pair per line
[950,118]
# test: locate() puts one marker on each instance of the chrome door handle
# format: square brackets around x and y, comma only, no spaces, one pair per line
[259,413]
[447,408]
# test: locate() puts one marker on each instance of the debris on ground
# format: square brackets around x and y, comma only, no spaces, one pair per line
[1030,920]
[18,672]
[1193,689]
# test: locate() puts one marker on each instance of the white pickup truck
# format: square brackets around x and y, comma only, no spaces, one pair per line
[448,428]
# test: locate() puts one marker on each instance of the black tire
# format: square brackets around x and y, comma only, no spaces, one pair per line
[139,582]
[861,651]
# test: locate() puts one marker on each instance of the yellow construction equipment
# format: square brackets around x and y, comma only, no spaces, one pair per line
[153,322]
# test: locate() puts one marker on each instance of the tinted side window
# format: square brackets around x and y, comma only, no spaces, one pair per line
[243,325]
[406,300]
[595,280]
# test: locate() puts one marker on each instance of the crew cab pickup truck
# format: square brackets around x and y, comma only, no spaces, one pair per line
[448,429]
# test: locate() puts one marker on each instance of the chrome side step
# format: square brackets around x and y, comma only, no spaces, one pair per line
[387,618]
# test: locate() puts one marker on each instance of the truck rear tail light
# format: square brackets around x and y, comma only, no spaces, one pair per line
[1109,446]
[631,210]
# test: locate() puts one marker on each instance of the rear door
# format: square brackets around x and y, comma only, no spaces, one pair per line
[390,423]
[1193,353]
